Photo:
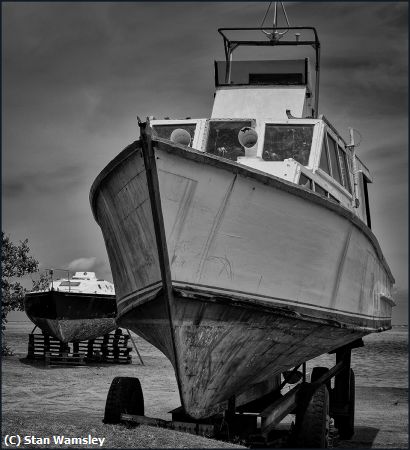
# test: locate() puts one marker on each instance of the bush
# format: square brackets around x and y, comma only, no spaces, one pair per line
[16,262]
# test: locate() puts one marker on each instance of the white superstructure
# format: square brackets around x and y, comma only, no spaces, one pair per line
[83,282]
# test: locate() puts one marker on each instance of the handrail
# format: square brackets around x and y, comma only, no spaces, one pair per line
[231,44]
[51,272]
[220,31]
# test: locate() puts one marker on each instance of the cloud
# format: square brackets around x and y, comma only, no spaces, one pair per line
[13,188]
[44,182]
[81,264]
[92,263]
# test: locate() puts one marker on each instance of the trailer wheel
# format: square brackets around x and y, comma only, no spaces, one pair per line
[124,397]
[313,424]
[345,424]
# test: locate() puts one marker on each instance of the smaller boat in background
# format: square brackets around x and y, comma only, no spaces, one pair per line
[74,309]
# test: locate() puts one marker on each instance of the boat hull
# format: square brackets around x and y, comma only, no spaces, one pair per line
[263,275]
[71,317]
[225,347]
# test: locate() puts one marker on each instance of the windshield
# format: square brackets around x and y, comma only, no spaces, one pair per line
[287,141]
[70,283]
[164,131]
[223,138]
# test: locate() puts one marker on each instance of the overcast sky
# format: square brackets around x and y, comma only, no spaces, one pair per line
[76,75]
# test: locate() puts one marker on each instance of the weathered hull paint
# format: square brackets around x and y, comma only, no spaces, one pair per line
[265,275]
[227,347]
[72,316]
[75,330]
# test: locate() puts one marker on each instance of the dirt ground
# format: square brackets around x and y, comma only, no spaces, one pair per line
[83,389]
[72,394]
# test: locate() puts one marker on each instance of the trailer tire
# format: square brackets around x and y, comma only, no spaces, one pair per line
[313,424]
[345,424]
[124,397]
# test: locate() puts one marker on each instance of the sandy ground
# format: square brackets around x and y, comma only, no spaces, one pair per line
[30,392]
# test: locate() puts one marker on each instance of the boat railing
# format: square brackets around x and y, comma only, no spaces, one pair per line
[51,273]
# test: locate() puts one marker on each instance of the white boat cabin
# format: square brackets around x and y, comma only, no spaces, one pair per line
[83,282]
[275,99]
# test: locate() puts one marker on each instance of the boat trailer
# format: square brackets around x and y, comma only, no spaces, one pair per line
[316,405]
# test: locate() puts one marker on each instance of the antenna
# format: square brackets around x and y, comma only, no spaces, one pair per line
[352,146]
[275,35]
[351,132]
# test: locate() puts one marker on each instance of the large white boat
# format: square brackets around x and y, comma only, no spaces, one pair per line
[75,308]
[241,244]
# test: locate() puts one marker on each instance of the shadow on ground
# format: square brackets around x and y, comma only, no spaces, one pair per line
[363,438]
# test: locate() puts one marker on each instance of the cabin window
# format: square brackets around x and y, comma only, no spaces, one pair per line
[276,78]
[305,181]
[324,158]
[164,131]
[285,72]
[364,200]
[70,283]
[345,170]
[334,160]
[223,138]
[320,190]
[288,141]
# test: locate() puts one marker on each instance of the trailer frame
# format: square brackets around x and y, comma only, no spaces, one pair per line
[258,422]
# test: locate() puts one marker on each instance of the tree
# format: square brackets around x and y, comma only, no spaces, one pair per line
[42,283]
[16,262]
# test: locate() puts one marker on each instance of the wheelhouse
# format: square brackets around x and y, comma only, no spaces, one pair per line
[278,101]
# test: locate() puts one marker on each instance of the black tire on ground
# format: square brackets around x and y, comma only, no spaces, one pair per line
[312,425]
[124,397]
[317,372]
[345,424]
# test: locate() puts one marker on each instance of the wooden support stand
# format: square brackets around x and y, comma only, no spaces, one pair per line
[110,348]
[46,348]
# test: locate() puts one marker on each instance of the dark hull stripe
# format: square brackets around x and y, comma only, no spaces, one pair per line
[286,301]
[140,292]
[57,305]
[306,312]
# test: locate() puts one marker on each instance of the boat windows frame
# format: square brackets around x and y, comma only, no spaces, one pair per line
[315,136]
[333,169]
[205,135]
[346,177]
[324,151]
[364,181]
[340,146]
[230,45]
[199,129]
